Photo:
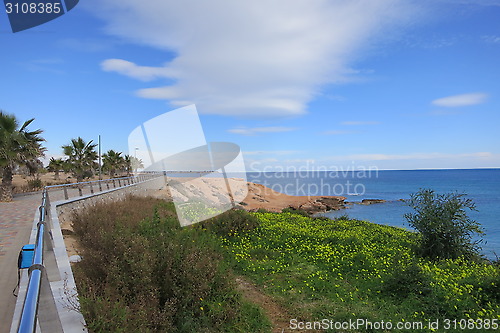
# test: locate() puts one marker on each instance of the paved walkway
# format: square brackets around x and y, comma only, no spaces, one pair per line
[16,221]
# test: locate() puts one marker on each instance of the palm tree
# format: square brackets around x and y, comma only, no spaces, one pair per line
[56,165]
[18,147]
[81,158]
[113,161]
[132,164]
[127,164]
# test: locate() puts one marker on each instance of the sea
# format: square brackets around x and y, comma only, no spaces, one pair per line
[480,185]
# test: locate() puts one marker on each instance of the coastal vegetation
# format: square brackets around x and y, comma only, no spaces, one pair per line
[114,162]
[56,165]
[81,158]
[22,170]
[348,269]
[311,267]
[445,229]
[82,162]
[18,147]
[142,273]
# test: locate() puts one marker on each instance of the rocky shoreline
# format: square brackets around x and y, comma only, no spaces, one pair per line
[371,201]
[262,197]
[258,196]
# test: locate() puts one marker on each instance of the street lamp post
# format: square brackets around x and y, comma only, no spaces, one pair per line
[100,168]
[135,160]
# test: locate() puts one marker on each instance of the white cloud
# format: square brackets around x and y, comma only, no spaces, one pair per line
[272,152]
[130,69]
[360,123]
[413,156]
[250,58]
[491,39]
[442,112]
[338,132]
[49,65]
[474,2]
[257,130]
[300,161]
[86,44]
[461,100]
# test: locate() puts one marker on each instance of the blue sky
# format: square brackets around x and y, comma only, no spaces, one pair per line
[342,84]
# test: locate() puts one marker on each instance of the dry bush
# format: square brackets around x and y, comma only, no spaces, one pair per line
[141,272]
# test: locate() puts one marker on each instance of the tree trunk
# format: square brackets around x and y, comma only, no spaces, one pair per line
[6,187]
[56,175]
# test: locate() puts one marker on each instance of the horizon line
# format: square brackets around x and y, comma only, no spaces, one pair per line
[372,169]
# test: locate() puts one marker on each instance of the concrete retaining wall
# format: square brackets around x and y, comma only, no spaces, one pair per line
[65,209]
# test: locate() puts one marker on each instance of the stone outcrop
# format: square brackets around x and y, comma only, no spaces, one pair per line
[262,197]
[321,205]
[371,201]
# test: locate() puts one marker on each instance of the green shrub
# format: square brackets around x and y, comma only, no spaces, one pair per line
[231,223]
[446,230]
[34,184]
[488,290]
[407,281]
[291,210]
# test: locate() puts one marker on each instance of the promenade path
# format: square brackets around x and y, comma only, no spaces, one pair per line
[16,222]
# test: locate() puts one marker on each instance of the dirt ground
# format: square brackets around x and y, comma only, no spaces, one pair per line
[20,182]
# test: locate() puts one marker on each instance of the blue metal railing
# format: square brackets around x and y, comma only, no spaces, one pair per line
[27,322]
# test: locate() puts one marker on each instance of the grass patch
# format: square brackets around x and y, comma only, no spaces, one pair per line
[349,269]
